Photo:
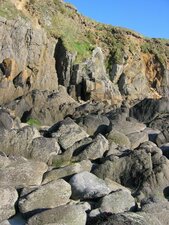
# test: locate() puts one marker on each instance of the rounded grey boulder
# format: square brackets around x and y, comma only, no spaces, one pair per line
[86,185]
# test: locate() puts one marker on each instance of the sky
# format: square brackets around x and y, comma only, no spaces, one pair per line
[148,17]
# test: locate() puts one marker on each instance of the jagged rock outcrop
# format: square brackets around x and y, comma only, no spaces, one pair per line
[27,59]
[31,58]
[90,81]
[46,107]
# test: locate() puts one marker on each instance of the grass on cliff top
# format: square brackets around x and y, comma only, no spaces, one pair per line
[8,10]
[61,20]
[72,36]
[80,35]
[158,48]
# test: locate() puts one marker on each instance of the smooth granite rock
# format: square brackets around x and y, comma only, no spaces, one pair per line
[50,195]
[86,185]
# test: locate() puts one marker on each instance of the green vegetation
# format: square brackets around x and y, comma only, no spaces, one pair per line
[158,48]
[80,35]
[118,50]
[62,21]
[72,36]
[83,50]
[34,122]
[60,161]
[8,10]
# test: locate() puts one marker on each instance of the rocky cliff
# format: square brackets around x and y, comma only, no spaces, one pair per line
[84,120]
[46,44]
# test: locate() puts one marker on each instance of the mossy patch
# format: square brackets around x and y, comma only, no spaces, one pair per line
[33,122]
[60,161]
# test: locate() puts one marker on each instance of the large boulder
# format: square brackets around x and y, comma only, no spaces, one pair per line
[148,109]
[86,185]
[67,215]
[114,186]
[94,150]
[144,170]
[116,202]
[161,123]
[128,218]
[137,138]
[17,141]
[6,120]
[158,209]
[128,127]
[119,138]
[68,133]
[8,196]
[90,108]
[22,173]
[41,149]
[94,124]
[47,196]
[45,107]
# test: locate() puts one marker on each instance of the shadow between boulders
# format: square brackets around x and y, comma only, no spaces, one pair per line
[166,192]
[34,212]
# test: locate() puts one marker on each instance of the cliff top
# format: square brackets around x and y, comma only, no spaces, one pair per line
[80,34]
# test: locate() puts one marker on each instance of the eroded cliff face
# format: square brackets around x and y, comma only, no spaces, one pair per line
[27,59]
[46,44]
[137,75]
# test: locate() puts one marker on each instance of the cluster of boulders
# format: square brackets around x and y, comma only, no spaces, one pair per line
[92,167]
